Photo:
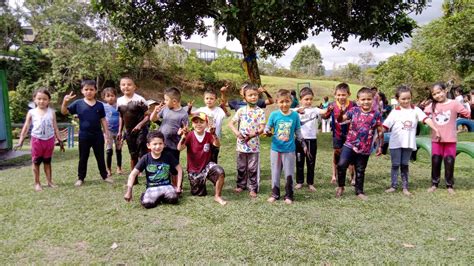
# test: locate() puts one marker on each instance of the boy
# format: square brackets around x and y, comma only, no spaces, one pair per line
[286,125]
[91,115]
[109,95]
[132,108]
[172,117]
[158,167]
[198,143]
[339,133]
[358,145]
[236,104]
[247,124]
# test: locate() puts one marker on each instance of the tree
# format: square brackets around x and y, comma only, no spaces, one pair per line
[226,61]
[10,29]
[267,27]
[350,72]
[308,61]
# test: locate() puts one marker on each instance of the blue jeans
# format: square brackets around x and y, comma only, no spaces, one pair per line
[400,159]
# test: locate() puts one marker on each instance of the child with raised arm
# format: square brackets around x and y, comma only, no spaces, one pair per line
[159,167]
[309,117]
[198,144]
[44,132]
[357,148]
[285,125]
[134,118]
[236,104]
[444,112]
[402,122]
[112,115]
[91,115]
[247,124]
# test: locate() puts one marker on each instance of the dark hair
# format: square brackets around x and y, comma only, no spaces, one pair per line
[42,90]
[211,91]
[401,89]
[283,93]
[293,92]
[154,134]
[306,91]
[364,90]
[442,86]
[383,98]
[374,89]
[458,89]
[88,82]
[248,87]
[108,90]
[343,86]
[173,93]
[468,96]
[127,77]
[326,98]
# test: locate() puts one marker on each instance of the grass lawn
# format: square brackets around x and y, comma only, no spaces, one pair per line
[93,224]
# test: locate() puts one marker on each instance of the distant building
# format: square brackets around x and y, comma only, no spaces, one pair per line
[28,34]
[206,52]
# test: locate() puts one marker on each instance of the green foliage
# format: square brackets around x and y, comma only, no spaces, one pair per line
[10,29]
[19,100]
[196,69]
[308,61]
[351,71]
[227,61]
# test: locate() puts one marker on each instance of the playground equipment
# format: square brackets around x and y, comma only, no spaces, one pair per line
[5,122]
[465,122]
[302,85]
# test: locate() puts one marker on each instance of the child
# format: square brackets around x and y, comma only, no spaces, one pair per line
[198,143]
[443,112]
[158,167]
[132,108]
[286,125]
[247,124]
[172,117]
[402,122]
[215,115]
[339,133]
[325,122]
[294,99]
[91,117]
[309,117]
[109,95]
[357,148]
[237,104]
[44,130]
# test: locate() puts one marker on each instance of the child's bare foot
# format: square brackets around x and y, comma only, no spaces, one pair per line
[339,191]
[119,171]
[406,192]
[52,185]
[78,183]
[353,181]
[288,201]
[311,188]
[109,172]
[220,200]
[238,190]
[109,180]
[38,187]
[253,194]
[333,179]
[432,189]
[298,186]
[451,191]
[390,190]
[271,199]
[362,196]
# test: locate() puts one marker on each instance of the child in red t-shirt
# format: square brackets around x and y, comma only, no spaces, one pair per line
[198,143]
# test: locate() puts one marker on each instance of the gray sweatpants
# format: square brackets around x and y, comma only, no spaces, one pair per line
[285,161]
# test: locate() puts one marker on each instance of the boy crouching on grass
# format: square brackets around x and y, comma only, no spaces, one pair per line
[198,143]
[158,166]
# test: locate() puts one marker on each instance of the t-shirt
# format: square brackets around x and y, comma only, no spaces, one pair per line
[89,118]
[198,152]
[132,110]
[237,104]
[43,127]
[310,122]
[112,116]
[444,119]
[459,99]
[157,170]
[249,121]
[125,100]
[284,129]
[214,117]
[340,128]
[402,123]
[172,121]
[362,128]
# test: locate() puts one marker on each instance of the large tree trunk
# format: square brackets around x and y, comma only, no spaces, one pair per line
[247,40]
[249,63]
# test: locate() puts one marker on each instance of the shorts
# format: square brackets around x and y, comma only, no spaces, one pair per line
[112,140]
[212,171]
[41,150]
[155,195]
[136,143]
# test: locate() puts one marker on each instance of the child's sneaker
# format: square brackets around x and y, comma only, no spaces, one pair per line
[339,191]
[362,196]
[78,183]
[451,191]
[271,199]
[109,180]
[38,187]
[432,189]
[298,186]
[288,201]
[390,190]
[311,188]
[252,194]
[406,192]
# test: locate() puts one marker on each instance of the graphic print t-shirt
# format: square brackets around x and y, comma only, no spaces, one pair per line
[284,128]
[157,170]
[444,119]
[361,131]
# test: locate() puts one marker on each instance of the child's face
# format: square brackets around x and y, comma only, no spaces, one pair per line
[199,125]
[251,96]
[156,146]
[128,87]
[210,100]
[89,92]
[41,100]
[341,96]
[404,99]
[307,100]
[284,103]
[110,98]
[171,103]
[365,101]
[438,94]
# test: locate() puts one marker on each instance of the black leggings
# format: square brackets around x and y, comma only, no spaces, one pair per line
[97,145]
[312,146]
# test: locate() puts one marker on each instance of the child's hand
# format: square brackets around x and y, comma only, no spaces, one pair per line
[330,108]
[190,106]
[212,130]
[437,135]
[224,88]
[262,89]
[69,97]
[137,128]
[159,107]
[183,130]
[268,133]
[61,146]
[300,110]
[241,137]
[307,153]
[18,146]
[178,190]
[119,137]
[128,194]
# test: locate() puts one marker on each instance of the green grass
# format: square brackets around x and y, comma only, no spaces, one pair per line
[69,225]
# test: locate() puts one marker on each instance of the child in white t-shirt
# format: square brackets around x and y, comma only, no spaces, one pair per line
[402,122]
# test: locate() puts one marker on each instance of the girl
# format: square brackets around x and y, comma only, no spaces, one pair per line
[43,132]
[443,112]
[402,122]
[325,122]
[109,95]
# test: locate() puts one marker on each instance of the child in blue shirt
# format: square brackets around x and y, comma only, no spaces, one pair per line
[112,115]
[286,125]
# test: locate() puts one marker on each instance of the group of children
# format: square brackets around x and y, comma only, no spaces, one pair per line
[356,127]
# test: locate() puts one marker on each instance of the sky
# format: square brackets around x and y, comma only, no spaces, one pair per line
[334,56]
